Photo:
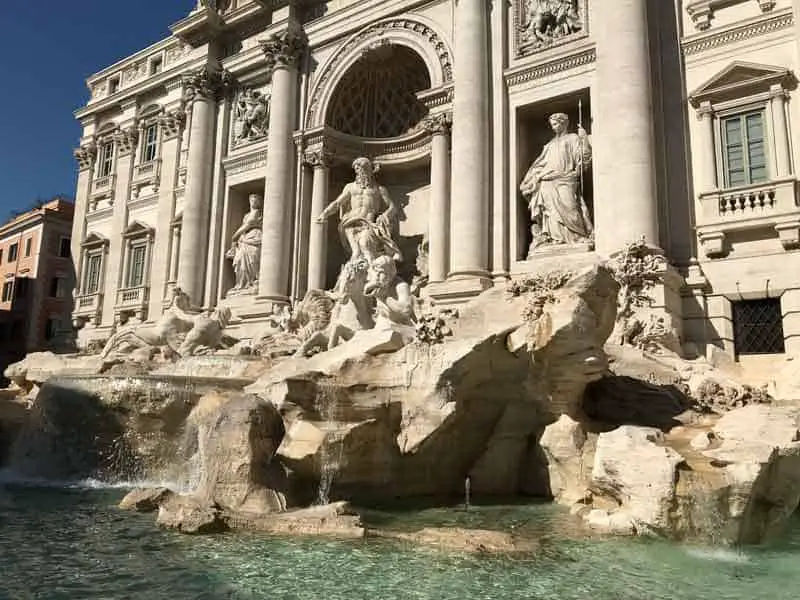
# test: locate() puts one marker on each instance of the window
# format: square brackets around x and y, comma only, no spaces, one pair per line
[106,159]
[113,85]
[150,145]
[744,150]
[1,255]
[58,287]
[8,290]
[136,266]
[12,252]
[92,277]
[156,65]
[64,250]
[758,326]
[28,244]
[23,285]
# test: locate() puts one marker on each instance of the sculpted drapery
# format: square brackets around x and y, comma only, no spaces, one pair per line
[245,251]
[551,185]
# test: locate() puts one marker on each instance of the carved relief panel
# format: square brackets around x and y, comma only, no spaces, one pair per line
[542,24]
[250,116]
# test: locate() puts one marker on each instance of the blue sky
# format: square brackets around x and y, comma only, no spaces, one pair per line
[48,49]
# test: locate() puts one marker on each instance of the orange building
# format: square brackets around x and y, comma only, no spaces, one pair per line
[37,277]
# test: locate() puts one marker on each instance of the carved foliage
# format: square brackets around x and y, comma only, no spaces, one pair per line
[318,158]
[172,123]
[126,139]
[207,82]
[286,48]
[438,124]
[85,155]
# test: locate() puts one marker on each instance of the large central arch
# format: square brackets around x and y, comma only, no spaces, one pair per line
[416,34]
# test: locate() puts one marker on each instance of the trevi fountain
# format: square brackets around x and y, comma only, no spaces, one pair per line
[546,438]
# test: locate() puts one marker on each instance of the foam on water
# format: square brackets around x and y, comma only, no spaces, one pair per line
[727,555]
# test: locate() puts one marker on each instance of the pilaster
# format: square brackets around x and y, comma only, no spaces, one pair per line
[707,150]
[320,162]
[439,203]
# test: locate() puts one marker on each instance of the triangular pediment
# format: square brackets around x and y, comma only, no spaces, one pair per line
[741,78]
[137,228]
[95,239]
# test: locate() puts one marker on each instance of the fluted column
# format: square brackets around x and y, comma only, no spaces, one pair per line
[439,202]
[782,152]
[202,88]
[317,238]
[469,223]
[708,153]
[283,52]
[626,206]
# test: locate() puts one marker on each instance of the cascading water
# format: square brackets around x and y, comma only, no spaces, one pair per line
[330,455]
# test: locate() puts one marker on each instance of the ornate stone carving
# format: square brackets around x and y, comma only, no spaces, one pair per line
[218,6]
[126,139]
[134,72]
[318,158]
[85,155]
[245,250]
[438,124]
[172,123]
[551,185]
[367,215]
[382,30]
[207,82]
[252,116]
[547,21]
[774,22]
[286,48]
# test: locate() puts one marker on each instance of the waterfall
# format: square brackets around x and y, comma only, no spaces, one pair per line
[331,448]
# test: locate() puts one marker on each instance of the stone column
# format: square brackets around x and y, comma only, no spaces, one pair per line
[165,255]
[439,201]
[777,101]
[469,223]
[283,52]
[626,206]
[202,88]
[317,239]
[707,156]
[176,245]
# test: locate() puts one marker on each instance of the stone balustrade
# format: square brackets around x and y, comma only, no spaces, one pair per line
[88,304]
[773,204]
[133,297]
[148,171]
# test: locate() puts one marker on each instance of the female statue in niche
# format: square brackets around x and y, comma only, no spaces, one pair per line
[558,210]
[245,250]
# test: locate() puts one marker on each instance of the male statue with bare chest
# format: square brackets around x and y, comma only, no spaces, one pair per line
[366,216]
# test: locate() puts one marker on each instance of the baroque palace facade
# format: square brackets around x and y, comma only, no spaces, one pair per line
[507,135]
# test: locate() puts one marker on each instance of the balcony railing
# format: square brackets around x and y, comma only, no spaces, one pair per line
[132,297]
[88,304]
[770,205]
[149,171]
[103,184]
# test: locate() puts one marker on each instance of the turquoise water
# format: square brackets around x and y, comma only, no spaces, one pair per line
[73,543]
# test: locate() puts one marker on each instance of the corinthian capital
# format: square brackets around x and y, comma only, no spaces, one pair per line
[286,48]
[172,123]
[207,82]
[318,158]
[85,155]
[126,139]
[438,124]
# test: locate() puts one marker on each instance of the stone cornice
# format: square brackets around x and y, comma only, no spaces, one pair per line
[775,21]
[245,162]
[556,65]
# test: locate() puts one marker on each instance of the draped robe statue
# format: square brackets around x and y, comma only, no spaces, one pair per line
[245,251]
[551,186]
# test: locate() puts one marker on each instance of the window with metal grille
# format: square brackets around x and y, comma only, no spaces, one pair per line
[744,149]
[758,326]
[150,146]
[136,269]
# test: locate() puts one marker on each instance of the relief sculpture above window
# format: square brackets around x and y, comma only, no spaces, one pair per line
[546,22]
